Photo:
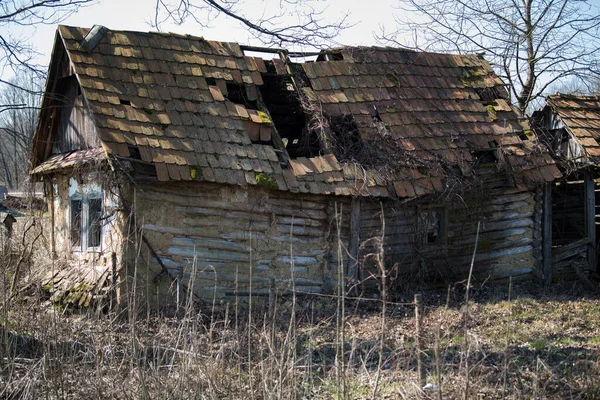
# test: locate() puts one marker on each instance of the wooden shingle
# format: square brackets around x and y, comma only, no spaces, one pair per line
[166,95]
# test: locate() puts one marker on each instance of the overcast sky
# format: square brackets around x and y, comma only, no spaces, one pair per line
[136,15]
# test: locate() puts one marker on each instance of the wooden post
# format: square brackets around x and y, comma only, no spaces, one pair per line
[419,350]
[354,245]
[114,297]
[590,220]
[547,234]
[50,186]
[271,297]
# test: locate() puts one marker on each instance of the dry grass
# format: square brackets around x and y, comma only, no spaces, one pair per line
[522,341]
[540,344]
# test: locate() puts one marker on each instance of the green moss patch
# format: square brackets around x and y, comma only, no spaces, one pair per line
[266,180]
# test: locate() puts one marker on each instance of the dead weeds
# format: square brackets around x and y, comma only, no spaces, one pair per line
[543,343]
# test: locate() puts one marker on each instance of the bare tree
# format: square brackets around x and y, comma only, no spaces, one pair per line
[19,107]
[288,21]
[16,52]
[531,43]
[585,87]
[20,96]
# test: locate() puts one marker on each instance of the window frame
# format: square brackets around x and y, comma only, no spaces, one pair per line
[84,238]
[423,231]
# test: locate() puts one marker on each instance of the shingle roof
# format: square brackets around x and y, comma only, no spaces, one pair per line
[162,98]
[581,115]
[69,160]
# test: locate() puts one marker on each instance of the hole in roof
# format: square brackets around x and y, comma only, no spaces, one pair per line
[134,152]
[124,102]
[303,58]
[331,56]
[211,81]
[347,142]
[484,157]
[488,95]
[243,95]
[375,114]
[288,115]
[265,55]
[270,68]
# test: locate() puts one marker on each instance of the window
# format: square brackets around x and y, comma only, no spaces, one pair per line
[76,222]
[85,227]
[432,225]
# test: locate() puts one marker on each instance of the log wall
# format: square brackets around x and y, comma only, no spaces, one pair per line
[509,232]
[226,240]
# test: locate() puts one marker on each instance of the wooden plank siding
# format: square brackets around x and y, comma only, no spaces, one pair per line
[76,129]
[509,232]
[219,238]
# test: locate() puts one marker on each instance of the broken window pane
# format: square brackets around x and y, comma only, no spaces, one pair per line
[94,216]
[76,221]
[431,225]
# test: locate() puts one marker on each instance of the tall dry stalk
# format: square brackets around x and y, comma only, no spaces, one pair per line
[506,343]
[466,316]
[437,351]
[251,277]
[380,262]
[341,311]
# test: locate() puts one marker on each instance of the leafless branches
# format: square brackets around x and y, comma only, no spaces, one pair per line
[19,106]
[531,43]
[287,21]
[16,53]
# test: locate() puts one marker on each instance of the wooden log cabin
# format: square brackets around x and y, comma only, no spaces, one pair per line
[569,126]
[190,165]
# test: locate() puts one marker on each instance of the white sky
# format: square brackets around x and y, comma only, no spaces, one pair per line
[367,15]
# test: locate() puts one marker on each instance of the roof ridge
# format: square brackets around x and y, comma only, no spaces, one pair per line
[176,35]
[164,34]
[559,95]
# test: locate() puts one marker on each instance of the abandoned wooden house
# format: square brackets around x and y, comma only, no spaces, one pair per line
[174,158]
[569,126]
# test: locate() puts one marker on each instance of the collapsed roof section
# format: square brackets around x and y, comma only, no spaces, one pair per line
[357,121]
[570,125]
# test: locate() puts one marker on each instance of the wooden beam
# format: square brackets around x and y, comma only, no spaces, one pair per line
[590,219]
[354,244]
[547,234]
[259,49]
